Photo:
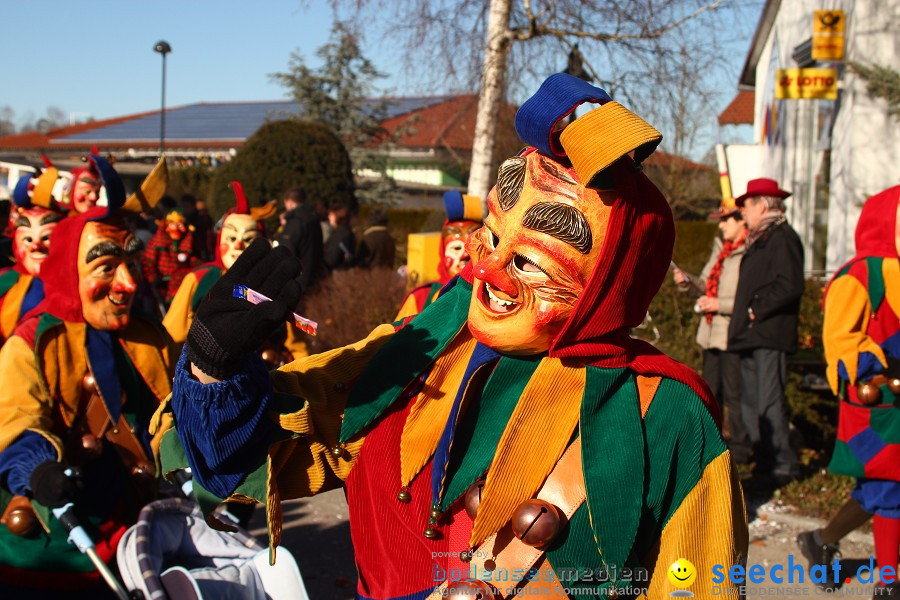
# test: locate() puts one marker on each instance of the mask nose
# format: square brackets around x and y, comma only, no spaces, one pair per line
[124,281]
[492,270]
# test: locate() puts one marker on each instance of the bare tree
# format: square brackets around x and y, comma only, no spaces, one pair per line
[7,120]
[503,43]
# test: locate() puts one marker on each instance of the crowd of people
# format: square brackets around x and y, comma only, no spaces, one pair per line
[505,421]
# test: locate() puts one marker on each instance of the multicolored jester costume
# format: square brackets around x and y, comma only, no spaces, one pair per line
[81,379]
[32,219]
[862,346]
[464,217]
[513,426]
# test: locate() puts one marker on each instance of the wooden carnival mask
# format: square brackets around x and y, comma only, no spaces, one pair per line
[535,253]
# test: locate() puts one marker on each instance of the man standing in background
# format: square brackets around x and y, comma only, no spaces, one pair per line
[764,324]
[303,235]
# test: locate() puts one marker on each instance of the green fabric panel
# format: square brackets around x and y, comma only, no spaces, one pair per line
[402,358]
[886,421]
[843,271]
[171,453]
[7,280]
[844,462]
[209,279]
[682,438]
[612,454]
[876,281]
[575,559]
[46,322]
[480,428]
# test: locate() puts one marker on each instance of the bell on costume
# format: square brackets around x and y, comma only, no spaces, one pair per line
[536,522]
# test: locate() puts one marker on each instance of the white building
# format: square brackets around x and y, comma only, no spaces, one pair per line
[831,154]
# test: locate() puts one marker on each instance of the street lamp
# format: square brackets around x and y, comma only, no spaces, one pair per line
[163,48]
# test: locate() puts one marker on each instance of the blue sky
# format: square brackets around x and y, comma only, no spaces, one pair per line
[96,56]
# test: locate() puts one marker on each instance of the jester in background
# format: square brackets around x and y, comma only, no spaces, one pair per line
[242,225]
[861,335]
[514,423]
[32,218]
[81,379]
[83,191]
[168,258]
[464,216]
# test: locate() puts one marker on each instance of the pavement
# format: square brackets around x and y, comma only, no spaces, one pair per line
[317,533]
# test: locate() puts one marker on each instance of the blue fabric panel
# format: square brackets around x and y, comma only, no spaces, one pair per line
[891,346]
[223,426]
[558,96]
[879,496]
[866,444]
[20,192]
[99,346]
[480,355]
[20,458]
[33,296]
[867,366]
[115,189]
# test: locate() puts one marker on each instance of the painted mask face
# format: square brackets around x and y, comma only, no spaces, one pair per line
[237,233]
[31,239]
[454,236]
[108,274]
[534,255]
[85,192]
[176,227]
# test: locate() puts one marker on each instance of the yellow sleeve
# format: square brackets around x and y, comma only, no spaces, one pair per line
[847,314]
[295,342]
[24,404]
[12,305]
[179,316]
[701,532]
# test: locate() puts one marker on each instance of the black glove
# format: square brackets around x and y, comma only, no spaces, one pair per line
[226,329]
[51,486]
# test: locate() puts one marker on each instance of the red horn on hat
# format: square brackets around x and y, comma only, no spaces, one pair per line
[46,160]
[242,207]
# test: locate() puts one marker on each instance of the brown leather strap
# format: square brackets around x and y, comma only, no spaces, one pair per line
[98,423]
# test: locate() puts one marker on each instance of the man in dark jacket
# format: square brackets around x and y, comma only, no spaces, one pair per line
[764,323]
[303,235]
[339,250]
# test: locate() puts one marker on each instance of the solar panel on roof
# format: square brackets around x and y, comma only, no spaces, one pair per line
[221,121]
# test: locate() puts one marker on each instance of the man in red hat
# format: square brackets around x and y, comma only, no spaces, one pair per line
[763,326]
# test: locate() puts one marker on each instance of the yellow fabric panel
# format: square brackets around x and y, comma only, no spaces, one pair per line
[408,309]
[703,534]
[179,316]
[847,314]
[24,405]
[153,354]
[12,305]
[64,365]
[306,465]
[890,269]
[535,437]
[430,412]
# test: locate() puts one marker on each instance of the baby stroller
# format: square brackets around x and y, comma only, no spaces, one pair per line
[172,554]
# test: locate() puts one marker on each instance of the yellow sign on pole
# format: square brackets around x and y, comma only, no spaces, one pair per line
[806,83]
[828,35]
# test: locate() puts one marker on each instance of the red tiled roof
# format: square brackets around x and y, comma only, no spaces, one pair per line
[740,111]
[664,159]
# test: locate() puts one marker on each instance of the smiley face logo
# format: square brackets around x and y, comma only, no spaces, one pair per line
[682,573]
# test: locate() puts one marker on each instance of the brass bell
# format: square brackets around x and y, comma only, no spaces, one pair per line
[89,384]
[474,589]
[337,451]
[466,555]
[404,496]
[436,513]
[868,393]
[271,357]
[535,522]
[91,446]
[473,498]
[894,385]
[431,533]
[21,521]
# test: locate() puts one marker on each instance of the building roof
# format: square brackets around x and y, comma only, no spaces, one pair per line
[207,124]
[665,160]
[763,28]
[740,110]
